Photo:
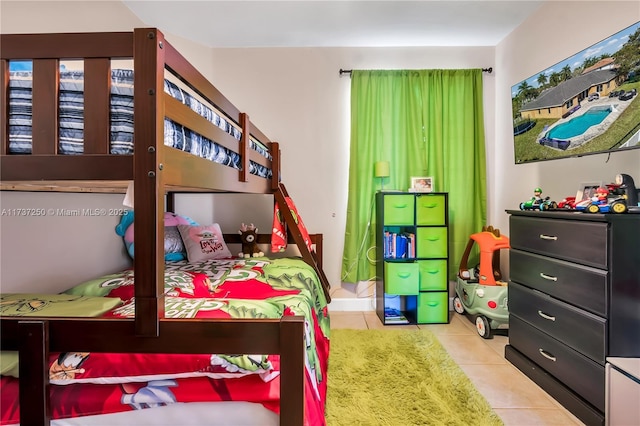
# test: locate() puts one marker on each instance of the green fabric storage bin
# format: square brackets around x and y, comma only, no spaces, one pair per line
[431,242]
[433,307]
[431,209]
[399,209]
[433,274]
[401,278]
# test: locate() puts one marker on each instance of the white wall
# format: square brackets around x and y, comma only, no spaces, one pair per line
[63,248]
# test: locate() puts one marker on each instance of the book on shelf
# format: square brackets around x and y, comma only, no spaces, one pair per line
[394,316]
[394,320]
[398,245]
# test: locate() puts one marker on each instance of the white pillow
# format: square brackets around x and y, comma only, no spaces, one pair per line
[204,242]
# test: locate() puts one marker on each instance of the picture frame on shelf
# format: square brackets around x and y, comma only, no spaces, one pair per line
[586,190]
[421,184]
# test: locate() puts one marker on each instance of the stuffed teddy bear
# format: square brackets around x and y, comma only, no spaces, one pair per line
[249,238]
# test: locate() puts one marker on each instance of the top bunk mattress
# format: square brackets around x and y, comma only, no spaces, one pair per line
[71,120]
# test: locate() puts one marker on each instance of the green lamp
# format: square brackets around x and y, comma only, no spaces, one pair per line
[381,170]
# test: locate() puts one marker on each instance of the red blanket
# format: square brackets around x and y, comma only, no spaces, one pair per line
[246,288]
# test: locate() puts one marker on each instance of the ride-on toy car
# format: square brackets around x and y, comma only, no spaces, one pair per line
[480,291]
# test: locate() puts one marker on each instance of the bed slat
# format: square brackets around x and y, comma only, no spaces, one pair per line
[4,107]
[185,116]
[244,146]
[275,166]
[97,87]
[45,106]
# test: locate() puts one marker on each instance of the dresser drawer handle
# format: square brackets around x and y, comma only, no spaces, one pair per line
[545,316]
[548,277]
[548,237]
[547,355]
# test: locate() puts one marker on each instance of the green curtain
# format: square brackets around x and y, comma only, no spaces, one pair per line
[425,123]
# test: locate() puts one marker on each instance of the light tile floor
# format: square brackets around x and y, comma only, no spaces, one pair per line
[513,396]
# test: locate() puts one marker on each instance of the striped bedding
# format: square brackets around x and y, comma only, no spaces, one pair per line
[71,121]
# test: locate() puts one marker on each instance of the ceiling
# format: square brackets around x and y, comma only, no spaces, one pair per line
[336,23]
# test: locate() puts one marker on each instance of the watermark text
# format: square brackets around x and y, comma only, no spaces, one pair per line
[61,212]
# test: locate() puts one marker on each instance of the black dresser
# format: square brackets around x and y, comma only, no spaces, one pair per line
[574,299]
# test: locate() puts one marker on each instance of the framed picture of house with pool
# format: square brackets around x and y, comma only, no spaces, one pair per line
[585,104]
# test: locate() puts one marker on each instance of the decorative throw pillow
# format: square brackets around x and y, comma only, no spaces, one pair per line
[204,242]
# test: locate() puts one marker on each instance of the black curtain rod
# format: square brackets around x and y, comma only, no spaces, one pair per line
[487,70]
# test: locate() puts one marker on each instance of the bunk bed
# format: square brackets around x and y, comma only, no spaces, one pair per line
[164,86]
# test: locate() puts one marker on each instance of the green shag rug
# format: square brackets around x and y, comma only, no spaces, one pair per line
[399,378]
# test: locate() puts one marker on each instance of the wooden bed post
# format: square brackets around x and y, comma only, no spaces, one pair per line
[148,191]
[291,365]
[33,368]
[97,89]
[292,228]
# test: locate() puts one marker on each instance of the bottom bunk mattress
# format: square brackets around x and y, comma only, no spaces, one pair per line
[226,413]
[84,384]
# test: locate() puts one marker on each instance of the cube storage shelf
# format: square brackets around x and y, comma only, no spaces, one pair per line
[412,252]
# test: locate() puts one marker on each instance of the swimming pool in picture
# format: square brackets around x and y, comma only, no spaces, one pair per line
[578,125]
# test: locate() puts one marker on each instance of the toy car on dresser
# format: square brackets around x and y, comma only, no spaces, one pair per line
[480,291]
[567,203]
[538,203]
[605,201]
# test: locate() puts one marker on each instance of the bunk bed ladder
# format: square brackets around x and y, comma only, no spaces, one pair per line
[308,256]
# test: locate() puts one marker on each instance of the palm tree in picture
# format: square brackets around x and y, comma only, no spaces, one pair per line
[542,79]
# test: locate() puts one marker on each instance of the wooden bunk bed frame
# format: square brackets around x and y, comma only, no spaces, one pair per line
[157,171]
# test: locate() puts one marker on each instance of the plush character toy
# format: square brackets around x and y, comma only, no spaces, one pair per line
[249,238]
